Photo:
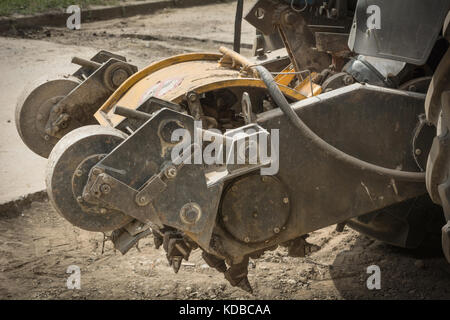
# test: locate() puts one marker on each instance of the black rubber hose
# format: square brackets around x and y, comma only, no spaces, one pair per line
[283,104]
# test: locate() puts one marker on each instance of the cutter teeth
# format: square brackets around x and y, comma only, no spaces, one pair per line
[176,263]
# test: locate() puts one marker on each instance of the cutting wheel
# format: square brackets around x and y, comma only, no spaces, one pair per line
[33,110]
[68,169]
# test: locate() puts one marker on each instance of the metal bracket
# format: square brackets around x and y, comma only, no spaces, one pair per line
[111,191]
[77,108]
[247,113]
[152,188]
[194,105]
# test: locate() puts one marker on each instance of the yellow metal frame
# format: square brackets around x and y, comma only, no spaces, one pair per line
[207,75]
[127,84]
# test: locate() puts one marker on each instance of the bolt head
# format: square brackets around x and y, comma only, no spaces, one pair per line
[348,79]
[192,97]
[418,152]
[103,211]
[105,188]
[171,172]
[276,230]
[246,239]
[286,200]
[119,76]
[190,213]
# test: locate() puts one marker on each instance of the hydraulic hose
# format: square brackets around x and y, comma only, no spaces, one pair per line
[283,104]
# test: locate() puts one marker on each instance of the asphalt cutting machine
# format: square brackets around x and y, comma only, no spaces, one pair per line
[340,117]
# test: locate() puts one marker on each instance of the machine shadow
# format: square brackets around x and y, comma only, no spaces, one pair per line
[404,273]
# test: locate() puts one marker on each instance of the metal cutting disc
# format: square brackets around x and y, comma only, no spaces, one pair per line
[33,110]
[68,170]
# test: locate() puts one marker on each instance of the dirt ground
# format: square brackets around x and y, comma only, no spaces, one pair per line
[37,245]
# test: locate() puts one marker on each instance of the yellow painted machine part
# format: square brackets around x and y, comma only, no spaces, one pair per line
[172,78]
[286,76]
[127,84]
[304,87]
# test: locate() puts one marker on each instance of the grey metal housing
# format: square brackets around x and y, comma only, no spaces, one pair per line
[408,29]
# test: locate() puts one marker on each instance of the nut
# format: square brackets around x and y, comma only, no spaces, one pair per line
[192,96]
[105,188]
[119,76]
[142,200]
[190,213]
[276,230]
[348,79]
[171,172]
